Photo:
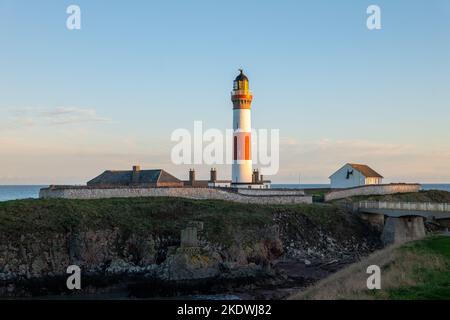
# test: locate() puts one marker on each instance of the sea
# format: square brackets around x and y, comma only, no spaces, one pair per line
[16,192]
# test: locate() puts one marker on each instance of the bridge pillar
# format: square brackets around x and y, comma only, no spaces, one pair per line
[402,229]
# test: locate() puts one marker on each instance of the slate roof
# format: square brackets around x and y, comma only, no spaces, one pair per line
[366,171]
[111,177]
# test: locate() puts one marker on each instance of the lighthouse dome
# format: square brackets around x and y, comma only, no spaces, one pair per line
[241,76]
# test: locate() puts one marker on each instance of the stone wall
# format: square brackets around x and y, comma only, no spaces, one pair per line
[271,192]
[381,189]
[190,193]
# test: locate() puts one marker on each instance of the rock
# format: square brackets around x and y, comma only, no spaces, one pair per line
[119,266]
[10,288]
[188,266]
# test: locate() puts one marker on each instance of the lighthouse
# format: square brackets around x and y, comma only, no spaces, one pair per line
[243,175]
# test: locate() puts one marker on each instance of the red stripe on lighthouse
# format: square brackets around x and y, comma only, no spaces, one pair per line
[247,147]
[242,147]
[242,96]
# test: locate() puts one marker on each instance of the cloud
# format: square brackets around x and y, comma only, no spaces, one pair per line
[315,160]
[42,155]
[28,117]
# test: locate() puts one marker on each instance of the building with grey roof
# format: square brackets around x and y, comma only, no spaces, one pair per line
[155,178]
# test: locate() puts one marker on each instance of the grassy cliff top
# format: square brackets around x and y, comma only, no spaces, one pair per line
[158,216]
[435,196]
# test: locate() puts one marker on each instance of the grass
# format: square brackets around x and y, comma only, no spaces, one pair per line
[137,215]
[158,216]
[433,196]
[415,271]
[431,283]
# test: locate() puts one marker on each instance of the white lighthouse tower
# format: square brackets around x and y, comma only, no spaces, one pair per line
[242,127]
[243,175]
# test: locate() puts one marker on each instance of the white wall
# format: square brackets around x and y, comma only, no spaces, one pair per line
[249,185]
[219,184]
[242,171]
[373,190]
[242,118]
[338,179]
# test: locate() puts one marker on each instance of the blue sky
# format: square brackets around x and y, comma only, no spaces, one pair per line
[138,70]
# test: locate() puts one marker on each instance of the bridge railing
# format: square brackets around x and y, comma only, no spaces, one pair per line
[413,206]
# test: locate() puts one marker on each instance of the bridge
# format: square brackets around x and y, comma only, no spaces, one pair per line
[436,211]
[403,221]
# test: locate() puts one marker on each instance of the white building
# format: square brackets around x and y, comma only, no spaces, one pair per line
[354,175]
[243,175]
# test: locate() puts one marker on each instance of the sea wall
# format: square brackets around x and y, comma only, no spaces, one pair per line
[190,193]
[369,190]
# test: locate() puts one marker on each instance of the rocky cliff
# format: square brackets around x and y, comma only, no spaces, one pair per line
[136,245]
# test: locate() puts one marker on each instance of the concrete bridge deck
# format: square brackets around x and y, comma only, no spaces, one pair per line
[435,211]
[403,221]
[408,213]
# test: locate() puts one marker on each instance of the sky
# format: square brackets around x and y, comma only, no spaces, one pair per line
[74,103]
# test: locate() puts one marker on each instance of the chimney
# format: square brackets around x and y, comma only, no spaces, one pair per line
[255,176]
[262,178]
[213,175]
[135,174]
[192,176]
